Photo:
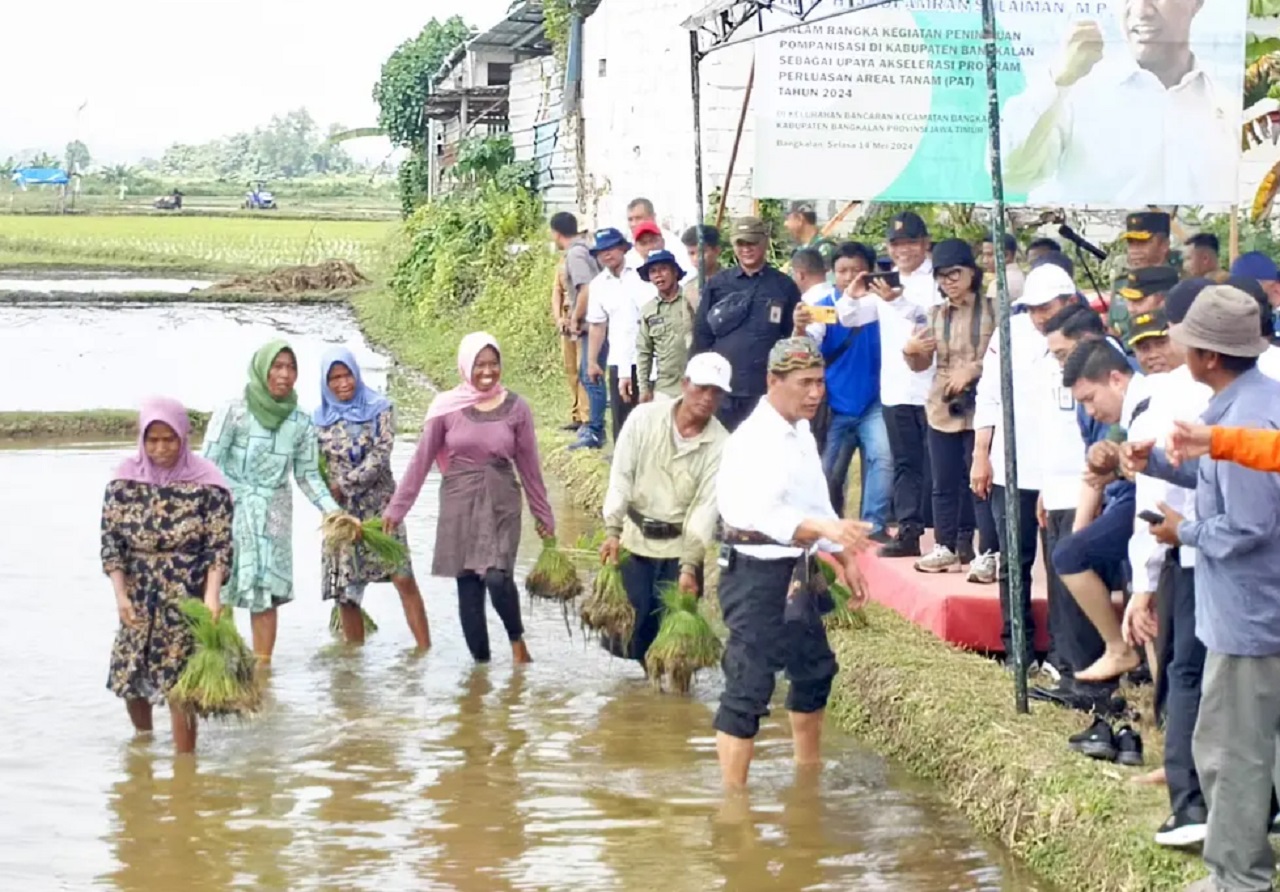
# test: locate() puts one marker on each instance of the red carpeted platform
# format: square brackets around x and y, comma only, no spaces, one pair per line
[961,612]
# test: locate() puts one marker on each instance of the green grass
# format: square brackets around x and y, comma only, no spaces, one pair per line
[946,714]
[219,244]
[99,424]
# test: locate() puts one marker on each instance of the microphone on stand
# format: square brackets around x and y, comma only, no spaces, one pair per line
[1081,242]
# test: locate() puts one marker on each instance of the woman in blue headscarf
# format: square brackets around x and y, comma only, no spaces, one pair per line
[356,426]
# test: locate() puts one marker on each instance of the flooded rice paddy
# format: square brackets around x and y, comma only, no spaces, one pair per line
[102,285]
[371,768]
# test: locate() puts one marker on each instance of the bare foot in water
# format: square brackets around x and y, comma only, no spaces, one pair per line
[1111,665]
[520,652]
[1151,778]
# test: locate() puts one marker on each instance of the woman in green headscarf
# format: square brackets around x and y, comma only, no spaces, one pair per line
[256,440]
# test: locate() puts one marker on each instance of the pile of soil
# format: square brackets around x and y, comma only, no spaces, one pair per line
[330,275]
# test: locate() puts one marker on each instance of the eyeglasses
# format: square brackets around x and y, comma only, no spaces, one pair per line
[952,274]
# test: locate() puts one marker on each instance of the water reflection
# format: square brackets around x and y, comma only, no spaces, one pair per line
[114,357]
[374,770]
[88,285]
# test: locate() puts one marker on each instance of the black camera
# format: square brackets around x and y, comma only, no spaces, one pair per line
[962,403]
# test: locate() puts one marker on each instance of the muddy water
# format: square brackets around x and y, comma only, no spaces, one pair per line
[113,357]
[87,285]
[373,769]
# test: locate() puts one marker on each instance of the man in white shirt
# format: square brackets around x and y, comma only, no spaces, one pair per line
[1049,290]
[772,529]
[902,391]
[615,297]
[1050,131]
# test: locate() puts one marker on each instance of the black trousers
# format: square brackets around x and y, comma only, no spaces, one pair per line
[1023,557]
[1076,644]
[618,410]
[753,600]
[912,477]
[1184,672]
[955,510]
[734,409]
[643,578]
[506,601]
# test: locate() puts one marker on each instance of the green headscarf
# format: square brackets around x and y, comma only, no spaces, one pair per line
[269,411]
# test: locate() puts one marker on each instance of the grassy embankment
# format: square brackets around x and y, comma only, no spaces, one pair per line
[104,424]
[946,714]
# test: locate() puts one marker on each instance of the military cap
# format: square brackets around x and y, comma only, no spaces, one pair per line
[751,230]
[1149,325]
[1149,280]
[1143,225]
[794,355]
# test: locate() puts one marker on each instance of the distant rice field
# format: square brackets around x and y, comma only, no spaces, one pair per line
[206,243]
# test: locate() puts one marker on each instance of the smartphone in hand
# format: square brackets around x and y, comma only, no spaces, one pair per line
[890,278]
[824,315]
[1151,516]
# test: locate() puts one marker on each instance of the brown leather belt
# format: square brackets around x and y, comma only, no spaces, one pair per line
[733,536]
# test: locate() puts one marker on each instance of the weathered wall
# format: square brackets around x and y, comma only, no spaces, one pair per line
[539,134]
[638,113]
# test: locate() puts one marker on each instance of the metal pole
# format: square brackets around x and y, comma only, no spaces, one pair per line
[737,141]
[695,59]
[1013,522]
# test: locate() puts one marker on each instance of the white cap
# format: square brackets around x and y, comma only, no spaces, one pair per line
[709,370]
[1045,283]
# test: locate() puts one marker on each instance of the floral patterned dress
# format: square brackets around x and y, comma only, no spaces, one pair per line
[359,458]
[166,539]
[257,463]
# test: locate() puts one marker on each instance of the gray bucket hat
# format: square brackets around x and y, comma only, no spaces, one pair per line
[1224,320]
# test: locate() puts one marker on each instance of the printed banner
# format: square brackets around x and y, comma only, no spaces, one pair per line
[1105,103]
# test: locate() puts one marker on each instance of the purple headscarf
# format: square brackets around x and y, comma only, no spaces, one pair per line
[189,468]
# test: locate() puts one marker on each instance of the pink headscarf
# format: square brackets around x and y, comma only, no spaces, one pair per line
[190,468]
[465,395]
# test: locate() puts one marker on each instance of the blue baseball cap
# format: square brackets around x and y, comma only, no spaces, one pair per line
[609,238]
[1256,265]
[656,258]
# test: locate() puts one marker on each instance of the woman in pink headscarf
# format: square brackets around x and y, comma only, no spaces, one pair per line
[166,536]
[480,435]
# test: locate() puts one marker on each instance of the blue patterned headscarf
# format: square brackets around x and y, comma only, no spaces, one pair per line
[366,405]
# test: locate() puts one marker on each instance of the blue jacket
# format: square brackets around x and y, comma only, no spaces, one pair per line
[853,380]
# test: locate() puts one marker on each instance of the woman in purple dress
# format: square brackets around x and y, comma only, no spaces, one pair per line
[480,435]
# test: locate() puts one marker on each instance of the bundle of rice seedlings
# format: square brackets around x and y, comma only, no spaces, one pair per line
[685,642]
[343,530]
[842,617]
[554,576]
[335,621]
[219,678]
[607,609]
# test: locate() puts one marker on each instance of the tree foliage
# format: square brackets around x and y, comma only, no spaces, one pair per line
[290,146]
[402,89]
[77,157]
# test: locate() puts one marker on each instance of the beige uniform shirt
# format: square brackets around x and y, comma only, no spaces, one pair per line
[960,346]
[666,333]
[667,479]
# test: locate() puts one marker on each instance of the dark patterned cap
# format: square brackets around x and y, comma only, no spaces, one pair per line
[751,230]
[1145,224]
[1149,325]
[794,355]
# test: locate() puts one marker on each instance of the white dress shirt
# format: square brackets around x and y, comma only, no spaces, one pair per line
[1059,455]
[899,385]
[616,301]
[1181,144]
[1171,396]
[1269,363]
[771,480]
[1028,346]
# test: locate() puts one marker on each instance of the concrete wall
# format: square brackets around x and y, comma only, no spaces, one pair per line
[536,127]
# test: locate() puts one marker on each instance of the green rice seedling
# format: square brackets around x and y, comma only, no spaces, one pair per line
[323,462]
[607,609]
[554,576]
[843,617]
[335,621]
[390,550]
[685,642]
[219,679]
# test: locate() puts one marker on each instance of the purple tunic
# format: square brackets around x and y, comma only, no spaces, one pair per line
[479,522]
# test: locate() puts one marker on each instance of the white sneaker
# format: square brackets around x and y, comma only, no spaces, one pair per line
[984,568]
[940,560]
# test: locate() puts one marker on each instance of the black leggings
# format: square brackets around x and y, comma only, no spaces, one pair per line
[506,601]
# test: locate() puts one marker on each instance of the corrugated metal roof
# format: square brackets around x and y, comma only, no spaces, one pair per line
[521,31]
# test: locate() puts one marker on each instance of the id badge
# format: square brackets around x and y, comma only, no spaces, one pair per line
[725,558]
[775,314]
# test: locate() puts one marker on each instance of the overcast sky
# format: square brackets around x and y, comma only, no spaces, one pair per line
[156,72]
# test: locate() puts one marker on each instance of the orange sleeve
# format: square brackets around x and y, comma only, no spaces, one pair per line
[1254,448]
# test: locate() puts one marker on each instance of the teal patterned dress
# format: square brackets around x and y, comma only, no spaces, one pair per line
[257,463]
